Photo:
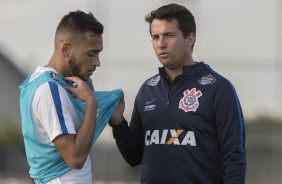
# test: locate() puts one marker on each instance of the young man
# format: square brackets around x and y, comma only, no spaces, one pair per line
[187,124]
[58,135]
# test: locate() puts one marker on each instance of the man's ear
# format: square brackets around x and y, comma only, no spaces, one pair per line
[190,40]
[66,48]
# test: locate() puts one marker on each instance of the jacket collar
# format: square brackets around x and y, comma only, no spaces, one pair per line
[188,70]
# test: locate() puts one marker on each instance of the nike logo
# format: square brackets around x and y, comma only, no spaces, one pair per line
[150,101]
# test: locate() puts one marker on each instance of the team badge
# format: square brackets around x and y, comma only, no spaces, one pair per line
[153,81]
[207,79]
[55,76]
[190,100]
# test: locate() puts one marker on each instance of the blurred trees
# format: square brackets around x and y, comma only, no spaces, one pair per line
[264,150]
[10,134]
[12,156]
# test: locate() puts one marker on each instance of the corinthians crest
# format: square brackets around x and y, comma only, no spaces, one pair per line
[190,100]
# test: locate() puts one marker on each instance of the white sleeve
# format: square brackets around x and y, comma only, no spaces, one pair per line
[54,110]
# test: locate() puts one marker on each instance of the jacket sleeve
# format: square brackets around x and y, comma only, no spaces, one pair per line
[130,139]
[231,132]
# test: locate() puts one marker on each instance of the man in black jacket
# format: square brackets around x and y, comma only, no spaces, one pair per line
[187,124]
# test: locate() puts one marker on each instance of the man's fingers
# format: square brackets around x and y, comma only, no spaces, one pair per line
[73,79]
[122,97]
[68,88]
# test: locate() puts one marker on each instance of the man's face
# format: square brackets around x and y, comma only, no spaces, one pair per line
[171,48]
[85,57]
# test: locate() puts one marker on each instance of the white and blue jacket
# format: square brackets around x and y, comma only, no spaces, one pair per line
[44,160]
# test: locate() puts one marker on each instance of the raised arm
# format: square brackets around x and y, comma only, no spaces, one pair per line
[75,148]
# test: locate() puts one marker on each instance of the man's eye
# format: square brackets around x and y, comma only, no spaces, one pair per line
[93,54]
[154,37]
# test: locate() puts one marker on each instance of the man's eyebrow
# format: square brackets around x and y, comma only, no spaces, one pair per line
[94,51]
[165,33]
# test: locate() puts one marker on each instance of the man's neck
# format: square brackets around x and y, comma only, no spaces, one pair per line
[172,73]
[57,64]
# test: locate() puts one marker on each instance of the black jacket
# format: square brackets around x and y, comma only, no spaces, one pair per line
[190,130]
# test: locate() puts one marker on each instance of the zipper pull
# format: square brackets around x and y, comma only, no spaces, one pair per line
[167,103]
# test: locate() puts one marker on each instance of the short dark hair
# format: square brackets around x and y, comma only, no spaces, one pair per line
[78,23]
[185,19]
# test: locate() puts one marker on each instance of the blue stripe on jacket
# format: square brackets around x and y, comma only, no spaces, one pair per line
[242,129]
[58,105]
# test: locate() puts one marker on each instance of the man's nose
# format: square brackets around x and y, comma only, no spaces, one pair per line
[162,43]
[96,62]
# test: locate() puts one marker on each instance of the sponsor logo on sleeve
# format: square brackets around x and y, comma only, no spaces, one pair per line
[207,79]
[153,81]
[190,100]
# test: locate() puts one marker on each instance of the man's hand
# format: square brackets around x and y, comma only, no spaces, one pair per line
[117,116]
[82,90]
